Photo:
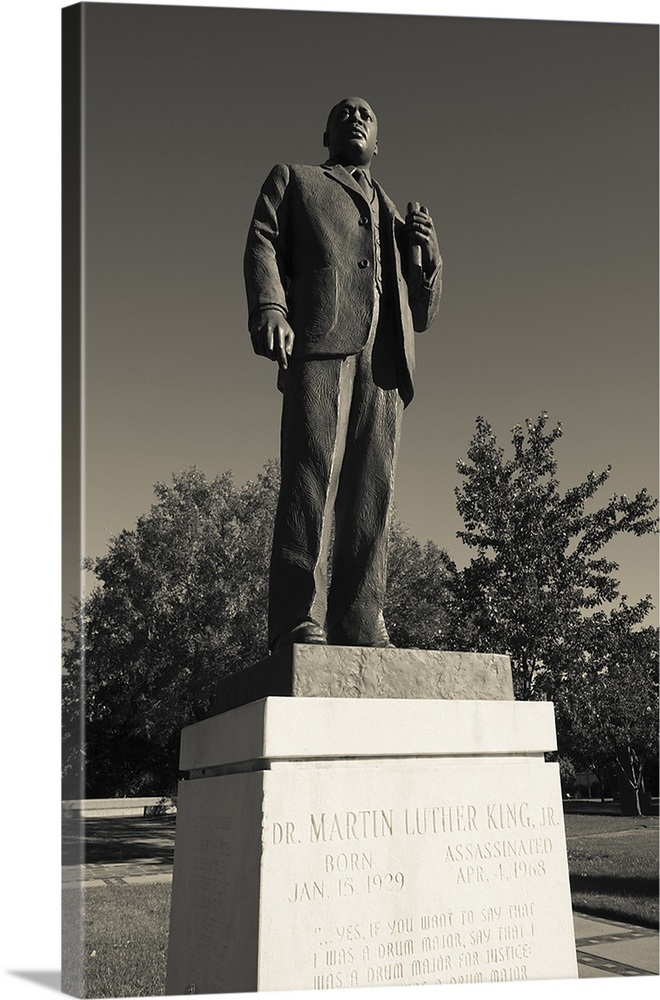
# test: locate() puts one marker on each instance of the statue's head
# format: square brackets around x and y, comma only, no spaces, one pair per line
[351,134]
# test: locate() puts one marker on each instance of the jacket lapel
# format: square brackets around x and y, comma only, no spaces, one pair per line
[385,200]
[344,177]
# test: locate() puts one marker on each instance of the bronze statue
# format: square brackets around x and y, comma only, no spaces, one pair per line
[337,283]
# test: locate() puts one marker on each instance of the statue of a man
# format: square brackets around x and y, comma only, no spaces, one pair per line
[337,283]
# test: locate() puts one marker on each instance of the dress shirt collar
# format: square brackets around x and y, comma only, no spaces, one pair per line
[349,169]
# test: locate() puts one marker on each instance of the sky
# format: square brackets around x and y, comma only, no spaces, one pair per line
[30,401]
[534,144]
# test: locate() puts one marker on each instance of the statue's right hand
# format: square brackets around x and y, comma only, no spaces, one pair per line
[272,337]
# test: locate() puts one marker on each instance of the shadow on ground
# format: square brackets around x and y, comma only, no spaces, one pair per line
[590,894]
[50,980]
[112,841]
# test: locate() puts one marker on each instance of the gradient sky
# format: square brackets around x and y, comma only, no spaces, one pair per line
[534,144]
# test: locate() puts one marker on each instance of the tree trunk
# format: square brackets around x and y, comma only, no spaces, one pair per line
[635,800]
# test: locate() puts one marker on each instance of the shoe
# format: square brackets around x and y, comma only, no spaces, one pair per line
[308,632]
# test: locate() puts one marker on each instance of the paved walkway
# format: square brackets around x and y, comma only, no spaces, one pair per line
[604,947]
[121,873]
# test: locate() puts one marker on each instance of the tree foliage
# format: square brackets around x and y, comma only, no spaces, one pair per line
[539,563]
[181,600]
[420,588]
[607,710]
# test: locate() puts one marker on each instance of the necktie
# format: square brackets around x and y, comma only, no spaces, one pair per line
[361,178]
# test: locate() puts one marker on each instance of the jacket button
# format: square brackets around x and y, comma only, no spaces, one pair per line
[363,263]
[364,220]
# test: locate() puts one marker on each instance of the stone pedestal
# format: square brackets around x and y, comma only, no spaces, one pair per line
[328,842]
[307,671]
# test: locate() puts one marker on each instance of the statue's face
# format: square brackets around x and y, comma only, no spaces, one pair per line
[352,132]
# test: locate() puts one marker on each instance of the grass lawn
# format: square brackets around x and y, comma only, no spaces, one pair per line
[613,865]
[124,936]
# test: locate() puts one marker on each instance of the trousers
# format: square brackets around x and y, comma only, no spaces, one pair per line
[341,422]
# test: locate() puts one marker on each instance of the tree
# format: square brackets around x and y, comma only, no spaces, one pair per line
[539,564]
[181,601]
[420,584]
[608,708]
[567,775]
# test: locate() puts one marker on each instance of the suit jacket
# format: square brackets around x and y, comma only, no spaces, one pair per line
[310,253]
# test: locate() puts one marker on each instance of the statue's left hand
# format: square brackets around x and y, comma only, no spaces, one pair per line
[420,231]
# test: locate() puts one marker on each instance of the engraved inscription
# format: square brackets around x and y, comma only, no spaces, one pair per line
[499,847]
[359,825]
[307,891]
[429,820]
